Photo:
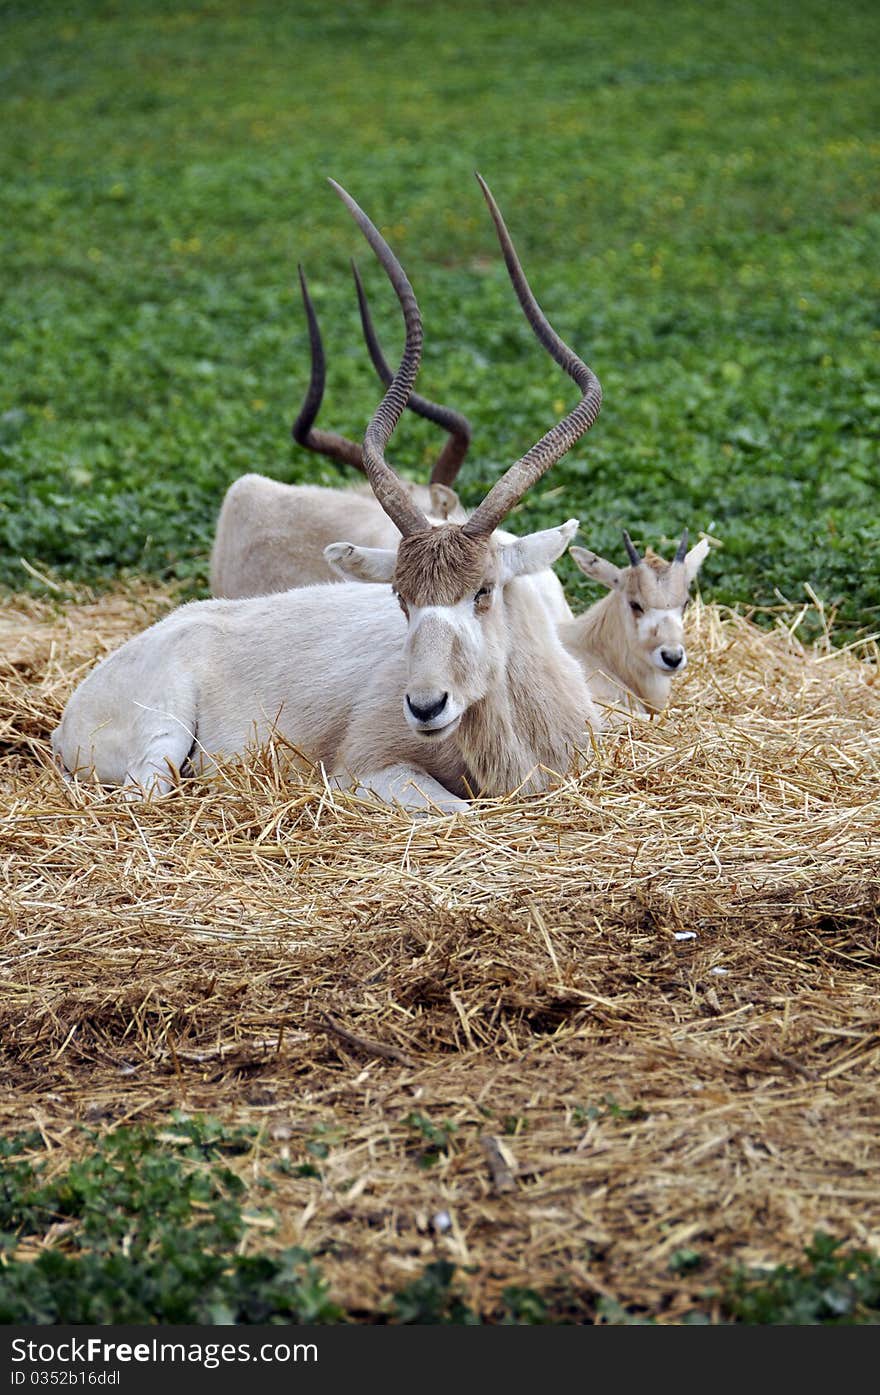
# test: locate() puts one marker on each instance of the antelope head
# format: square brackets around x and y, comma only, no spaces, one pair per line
[451,581]
[651,597]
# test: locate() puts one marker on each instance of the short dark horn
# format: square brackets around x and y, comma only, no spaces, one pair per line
[631,550]
[682,547]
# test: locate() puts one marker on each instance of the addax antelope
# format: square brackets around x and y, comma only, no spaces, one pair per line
[470,691]
[630,644]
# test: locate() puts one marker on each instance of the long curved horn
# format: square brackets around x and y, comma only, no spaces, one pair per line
[631,549]
[682,547]
[387,487]
[449,461]
[508,491]
[303,431]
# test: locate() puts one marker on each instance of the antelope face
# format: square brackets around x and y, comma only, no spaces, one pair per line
[654,598]
[451,590]
[651,596]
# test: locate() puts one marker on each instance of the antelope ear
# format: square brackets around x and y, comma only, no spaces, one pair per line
[536,551]
[444,501]
[596,568]
[360,563]
[694,559]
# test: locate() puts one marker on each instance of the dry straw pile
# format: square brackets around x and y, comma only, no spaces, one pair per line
[640,1009]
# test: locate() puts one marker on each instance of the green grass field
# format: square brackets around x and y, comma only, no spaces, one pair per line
[694,192]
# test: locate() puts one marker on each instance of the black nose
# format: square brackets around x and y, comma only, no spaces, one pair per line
[671,657]
[426,714]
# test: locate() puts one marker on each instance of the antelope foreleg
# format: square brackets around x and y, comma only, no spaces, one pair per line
[414,790]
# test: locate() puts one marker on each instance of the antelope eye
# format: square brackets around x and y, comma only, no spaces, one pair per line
[483,593]
[636,608]
[686,604]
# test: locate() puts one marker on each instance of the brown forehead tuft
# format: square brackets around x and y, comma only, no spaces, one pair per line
[440,566]
[657,584]
[653,560]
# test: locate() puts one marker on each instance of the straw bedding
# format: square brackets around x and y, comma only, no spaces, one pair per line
[645,1003]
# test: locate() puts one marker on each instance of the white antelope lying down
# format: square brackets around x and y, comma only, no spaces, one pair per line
[630,644]
[475,692]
